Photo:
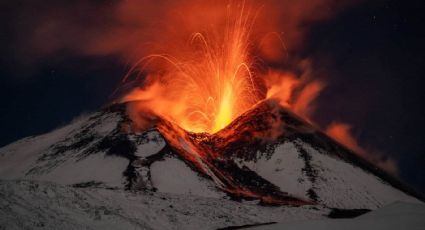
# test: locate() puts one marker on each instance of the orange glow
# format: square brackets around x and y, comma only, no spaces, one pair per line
[224,115]
[341,132]
[209,62]
[281,87]
[205,90]
[303,105]
[205,83]
[293,92]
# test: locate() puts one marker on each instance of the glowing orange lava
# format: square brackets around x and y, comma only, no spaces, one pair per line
[214,78]
[206,91]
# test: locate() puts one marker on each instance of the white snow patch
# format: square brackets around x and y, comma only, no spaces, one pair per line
[96,167]
[205,168]
[155,143]
[392,217]
[338,184]
[108,124]
[343,185]
[174,176]
[16,158]
[283,169]
[33,205]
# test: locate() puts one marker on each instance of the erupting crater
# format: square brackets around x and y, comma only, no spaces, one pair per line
[211,101]
[217,105]
[215,76]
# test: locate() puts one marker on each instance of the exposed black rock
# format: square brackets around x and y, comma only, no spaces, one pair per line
[346,213]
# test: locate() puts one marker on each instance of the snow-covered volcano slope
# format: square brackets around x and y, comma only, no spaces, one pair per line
[290,153]
[268,154]
[44,205]
[279,158]
[96,150]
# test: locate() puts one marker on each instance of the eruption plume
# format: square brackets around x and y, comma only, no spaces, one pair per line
[205,91]
[221,71]
[216,76]
[198,64]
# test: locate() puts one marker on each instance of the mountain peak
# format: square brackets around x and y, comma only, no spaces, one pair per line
[268,154]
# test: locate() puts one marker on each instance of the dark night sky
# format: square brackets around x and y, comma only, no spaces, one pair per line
[373,52]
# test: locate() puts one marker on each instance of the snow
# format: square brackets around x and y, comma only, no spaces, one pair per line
[399,215]
[34,205]
[205,168]
[96,167]
[154,143]
[184,198]
[337,183]
[16,158]
[174,176]
[283,170]
[107,124]
[344,185]
[397,209]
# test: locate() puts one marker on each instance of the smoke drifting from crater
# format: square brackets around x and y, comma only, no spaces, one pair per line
[341,132]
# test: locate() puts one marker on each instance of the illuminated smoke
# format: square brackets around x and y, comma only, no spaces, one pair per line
[341,132]
[262,51]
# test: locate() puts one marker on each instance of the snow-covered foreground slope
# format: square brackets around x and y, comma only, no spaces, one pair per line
[43,205]
[395,216]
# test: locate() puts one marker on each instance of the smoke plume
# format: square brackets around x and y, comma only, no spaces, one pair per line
[341,132]
[132,29]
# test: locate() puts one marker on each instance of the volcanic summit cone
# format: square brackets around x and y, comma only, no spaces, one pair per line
[267,154]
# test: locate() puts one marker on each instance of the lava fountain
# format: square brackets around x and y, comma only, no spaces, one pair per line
[215,76]
[205,91]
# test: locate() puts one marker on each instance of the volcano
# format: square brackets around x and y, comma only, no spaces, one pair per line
[268,165]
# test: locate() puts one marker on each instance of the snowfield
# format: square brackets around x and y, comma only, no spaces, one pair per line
[395,216]
[174,176]
[43,205]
